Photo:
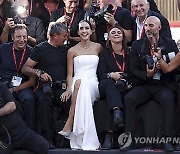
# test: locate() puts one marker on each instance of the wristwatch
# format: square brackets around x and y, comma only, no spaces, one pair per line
[108,76]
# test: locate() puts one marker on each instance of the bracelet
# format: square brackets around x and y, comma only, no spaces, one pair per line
[161,62]
[159,58]
[5,30]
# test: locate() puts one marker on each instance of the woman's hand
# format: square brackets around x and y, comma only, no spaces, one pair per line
[66,95]
[116,75]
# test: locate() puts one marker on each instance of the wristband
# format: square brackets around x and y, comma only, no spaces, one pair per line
[159,58]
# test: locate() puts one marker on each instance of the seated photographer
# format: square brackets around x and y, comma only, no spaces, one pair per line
[50,61]
[153,83]
[35,26]
[22,138]
[109,15]
[12,57]
[112,72]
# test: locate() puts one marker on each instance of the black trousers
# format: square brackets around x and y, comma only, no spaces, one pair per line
[143,94]
[45,109]
[110,93]
[113,98]
[31,141]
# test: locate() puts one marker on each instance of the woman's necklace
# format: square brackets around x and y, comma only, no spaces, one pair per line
[85,47]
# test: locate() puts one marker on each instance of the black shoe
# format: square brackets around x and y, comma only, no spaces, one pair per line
[118,116]
[51,145]
[107,145]
[168,147]
[177,147]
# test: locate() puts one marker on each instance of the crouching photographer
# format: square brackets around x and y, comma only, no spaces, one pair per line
[114,81]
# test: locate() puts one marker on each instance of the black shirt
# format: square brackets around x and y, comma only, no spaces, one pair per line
[51,60]
[11,121]
[7,65]
[122,16]
[79,15]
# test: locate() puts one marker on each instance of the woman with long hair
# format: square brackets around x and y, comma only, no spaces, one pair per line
[113,81]
[82,83]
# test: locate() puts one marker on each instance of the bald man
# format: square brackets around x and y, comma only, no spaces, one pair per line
[152,82]
[142,11]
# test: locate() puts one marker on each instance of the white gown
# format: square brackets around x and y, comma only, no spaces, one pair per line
[84,135]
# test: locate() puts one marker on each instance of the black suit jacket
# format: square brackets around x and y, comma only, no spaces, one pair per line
[137,62]
[165,30]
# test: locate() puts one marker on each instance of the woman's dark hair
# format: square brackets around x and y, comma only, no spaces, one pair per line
[87,21]
[124,42]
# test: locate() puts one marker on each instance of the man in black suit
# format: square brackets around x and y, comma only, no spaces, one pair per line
[152,82]
[142,11]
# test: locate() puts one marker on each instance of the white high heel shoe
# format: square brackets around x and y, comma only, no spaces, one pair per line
[65,134]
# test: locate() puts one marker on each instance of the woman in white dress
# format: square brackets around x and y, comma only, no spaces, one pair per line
[82,83]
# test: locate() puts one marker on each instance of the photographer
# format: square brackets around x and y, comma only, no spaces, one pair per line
[22,138]
[50,59]
[113,14]
[153,83]
[12,57]
[35,26]
[70,15]
[114,80]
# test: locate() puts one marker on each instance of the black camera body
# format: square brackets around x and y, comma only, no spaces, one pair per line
[17,20]
[96,15]
[47,87]
[149,61]
[122,83]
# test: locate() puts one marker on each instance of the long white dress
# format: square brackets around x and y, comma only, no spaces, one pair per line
[84,135]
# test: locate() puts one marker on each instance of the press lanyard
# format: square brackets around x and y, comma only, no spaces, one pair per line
[15,60]
[108,26]
[72,18]
[121,68]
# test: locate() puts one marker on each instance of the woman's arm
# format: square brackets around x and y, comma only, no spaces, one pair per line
[170,66]
[66,95]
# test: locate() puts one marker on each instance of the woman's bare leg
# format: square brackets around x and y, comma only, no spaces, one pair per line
[69,123]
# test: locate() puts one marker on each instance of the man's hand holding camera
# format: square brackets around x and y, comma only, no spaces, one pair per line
[151,72]
[110,18]
[9,24]
[63,19]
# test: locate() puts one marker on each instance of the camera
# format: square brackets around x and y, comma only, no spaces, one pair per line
[47,89]
[122,83]
[96,15]
[149,61]
[17,20]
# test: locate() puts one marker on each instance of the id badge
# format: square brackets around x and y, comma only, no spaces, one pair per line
[157,76]
[105,36]
[16,81]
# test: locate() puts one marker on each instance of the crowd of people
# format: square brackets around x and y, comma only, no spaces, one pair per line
[69,54]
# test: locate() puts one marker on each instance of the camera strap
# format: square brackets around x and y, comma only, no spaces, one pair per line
[72,18]
[121,68]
